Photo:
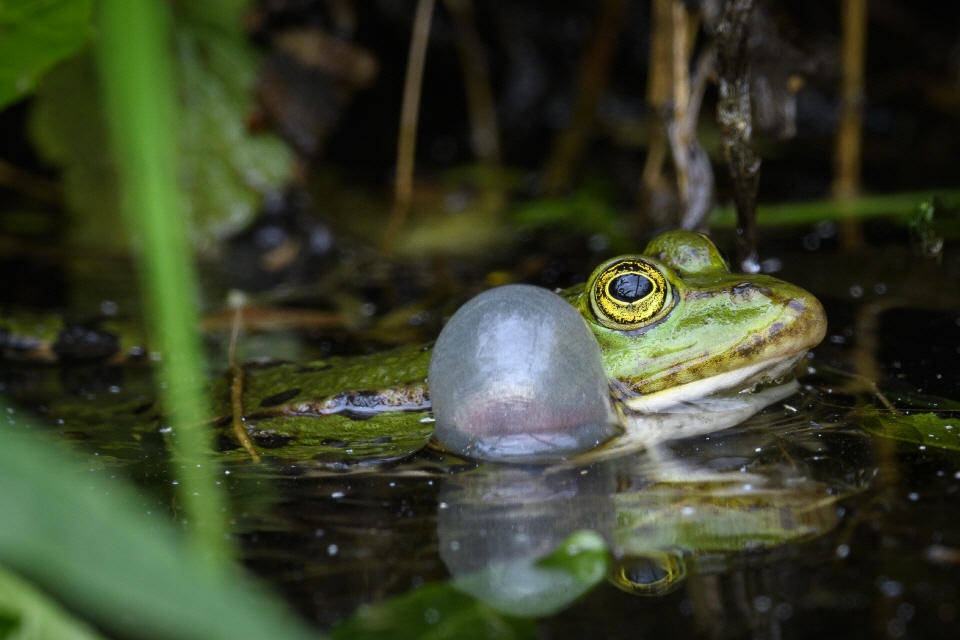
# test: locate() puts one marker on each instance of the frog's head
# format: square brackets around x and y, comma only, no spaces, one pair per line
[674,323]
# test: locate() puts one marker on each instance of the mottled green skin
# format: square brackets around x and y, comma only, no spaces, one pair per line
[316,410]
[719,321]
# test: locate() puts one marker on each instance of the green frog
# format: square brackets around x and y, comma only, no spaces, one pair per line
[681,337]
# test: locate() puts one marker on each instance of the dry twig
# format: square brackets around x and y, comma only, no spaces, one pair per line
[476,80]
[236,391]
[847,146]
[594,74]
[734,116]
[407,142]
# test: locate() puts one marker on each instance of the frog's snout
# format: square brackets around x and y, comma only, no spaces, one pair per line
[800,325]
[809,319]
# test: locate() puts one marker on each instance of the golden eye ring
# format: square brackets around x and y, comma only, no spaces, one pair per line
[629,294]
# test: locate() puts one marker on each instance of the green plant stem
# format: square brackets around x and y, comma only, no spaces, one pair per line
[811,212]
[137,79]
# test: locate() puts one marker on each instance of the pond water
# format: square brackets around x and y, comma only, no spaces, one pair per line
[806,520]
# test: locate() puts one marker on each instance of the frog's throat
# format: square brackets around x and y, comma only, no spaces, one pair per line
[734,381]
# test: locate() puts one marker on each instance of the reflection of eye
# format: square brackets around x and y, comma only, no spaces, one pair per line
[628,293]
[654,574]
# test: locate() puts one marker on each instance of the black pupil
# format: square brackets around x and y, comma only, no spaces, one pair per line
[646,573]
[630,287]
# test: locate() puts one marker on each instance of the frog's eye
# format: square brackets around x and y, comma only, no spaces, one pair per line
[629,293]
[653,574]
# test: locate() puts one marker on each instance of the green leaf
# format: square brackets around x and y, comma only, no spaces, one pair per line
[585,211]
[899,206]
[87,541]
[223,15]
[926,429]
[545,587]
[27,614]
[68,128]
[35,35]
[436,611]
[224,168]
[914,400]
[500,601]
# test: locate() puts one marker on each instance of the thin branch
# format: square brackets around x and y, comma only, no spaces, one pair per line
[735,117]
[659,91]
[697,193]
[681,98]
[236,390]
[485,134]
[409,112]
[848,143]
[594,74]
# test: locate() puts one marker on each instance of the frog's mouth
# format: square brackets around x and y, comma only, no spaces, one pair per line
[683,398]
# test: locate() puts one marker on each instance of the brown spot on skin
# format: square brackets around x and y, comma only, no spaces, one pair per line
[279,398]
[314,368]
[698,294]
[750,347]
[796,305]
[747,289]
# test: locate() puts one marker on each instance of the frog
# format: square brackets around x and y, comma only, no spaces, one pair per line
[678,331]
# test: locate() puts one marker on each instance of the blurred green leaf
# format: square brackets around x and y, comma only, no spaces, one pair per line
[27,614]
[584,211]
[536,589]
[35,35]
[897,205]
[436,611]
[922,401]
[68,128]
[503,599]
[926,429]
[225,168]
[86,541]
[225,16]
[135,62]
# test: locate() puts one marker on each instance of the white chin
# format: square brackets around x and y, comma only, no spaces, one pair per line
[713,393]
[704,406]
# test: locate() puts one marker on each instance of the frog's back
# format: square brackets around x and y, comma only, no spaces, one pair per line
[323,409]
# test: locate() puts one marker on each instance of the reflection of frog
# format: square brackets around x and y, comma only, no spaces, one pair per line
[665,519]
[673,324]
